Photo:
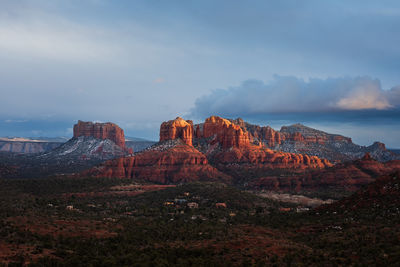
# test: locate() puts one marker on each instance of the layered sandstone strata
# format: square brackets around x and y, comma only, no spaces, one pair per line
[102,131]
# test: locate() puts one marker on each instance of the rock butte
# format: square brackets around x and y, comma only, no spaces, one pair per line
[223,132]
[184,159]
[101,131]
[178,128]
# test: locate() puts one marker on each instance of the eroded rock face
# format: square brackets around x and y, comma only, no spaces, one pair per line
[301,139]
[168,162]
[178,128]
[266,158]
[258,133]
[177,158]
[102,131]
[224,132]
[349,176]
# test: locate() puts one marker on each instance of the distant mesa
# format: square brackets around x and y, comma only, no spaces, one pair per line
[102,131]
[91,144]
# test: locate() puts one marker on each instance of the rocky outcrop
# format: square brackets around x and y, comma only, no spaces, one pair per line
[349,176]
[183,154]
[223,132]
[215,129]
[301,139]
[102,131]
[266,158]
[86,148]
[233,150]
[257,133]
[168,162]
[248,164]
[294,133]
[178,128]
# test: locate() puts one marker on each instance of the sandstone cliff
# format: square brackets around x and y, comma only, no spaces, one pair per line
[178,128]
[168,162]
[218,140]
[301,139]
[222,131]
[349,176]
[238,152]
[102,131]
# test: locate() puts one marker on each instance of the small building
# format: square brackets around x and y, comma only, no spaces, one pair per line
[168,203]
[220,205]
[193,205]
[302,209]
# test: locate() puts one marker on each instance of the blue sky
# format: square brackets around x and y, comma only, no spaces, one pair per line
[328,64]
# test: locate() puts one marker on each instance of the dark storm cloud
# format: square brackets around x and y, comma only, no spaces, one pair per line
[290,94]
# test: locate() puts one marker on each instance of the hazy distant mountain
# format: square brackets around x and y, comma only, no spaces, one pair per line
[138,144]
[30,145]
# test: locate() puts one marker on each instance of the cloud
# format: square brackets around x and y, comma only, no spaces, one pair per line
[55,39]
[286,94]
[393,95]
[15,121]
[367,95]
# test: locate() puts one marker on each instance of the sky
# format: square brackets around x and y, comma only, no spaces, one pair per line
[333,65]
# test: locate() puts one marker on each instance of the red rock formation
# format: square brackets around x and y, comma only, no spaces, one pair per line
[294,133]
[263,158]
[224,132]
[180,163]
[348,176]
[178,128]
[101,131]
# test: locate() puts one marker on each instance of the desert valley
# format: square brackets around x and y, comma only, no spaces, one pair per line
[222,192]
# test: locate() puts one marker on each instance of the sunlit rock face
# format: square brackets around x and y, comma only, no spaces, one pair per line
[224,132]
[301,139]
[102,131]
[178,128]
[171,161]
